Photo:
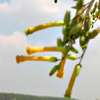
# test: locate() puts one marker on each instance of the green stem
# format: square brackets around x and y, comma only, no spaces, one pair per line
[81,58]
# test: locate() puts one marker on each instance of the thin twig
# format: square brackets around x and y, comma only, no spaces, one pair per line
[82,55]
[89,7]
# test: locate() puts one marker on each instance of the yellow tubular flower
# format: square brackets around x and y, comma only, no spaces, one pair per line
[72,81]
[31,50]
[43,26]
[70,86]
[60,73]
[99,16]
[35,58]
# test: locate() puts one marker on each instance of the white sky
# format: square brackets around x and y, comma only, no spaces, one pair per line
[32,77]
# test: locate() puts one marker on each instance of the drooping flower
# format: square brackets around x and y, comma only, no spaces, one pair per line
[60,73]
[72,81]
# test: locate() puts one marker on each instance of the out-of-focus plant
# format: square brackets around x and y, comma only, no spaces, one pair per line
[79,27]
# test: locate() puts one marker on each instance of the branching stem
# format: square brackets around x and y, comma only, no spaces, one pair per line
[81,58]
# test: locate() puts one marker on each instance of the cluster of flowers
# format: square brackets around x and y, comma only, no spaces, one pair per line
[59,48]
[76,28]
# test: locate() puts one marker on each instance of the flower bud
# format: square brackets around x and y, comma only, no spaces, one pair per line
[93,34]
[74,50]
[65,31]
[59,42]
[83,40]
[67,18]
[71,57]
[54,69]
[79,4]
[75,29]
[87,23]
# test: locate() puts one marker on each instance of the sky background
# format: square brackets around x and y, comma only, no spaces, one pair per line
[32,77]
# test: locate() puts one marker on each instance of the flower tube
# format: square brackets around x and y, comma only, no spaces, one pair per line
[72,81]
[43,26]
[35,58]
[60,73]
[99,16]
[31,50]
